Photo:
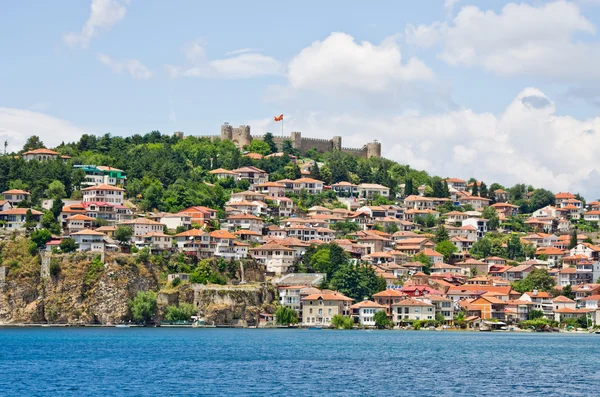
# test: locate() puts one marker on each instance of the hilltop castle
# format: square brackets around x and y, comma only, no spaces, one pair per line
[241,137]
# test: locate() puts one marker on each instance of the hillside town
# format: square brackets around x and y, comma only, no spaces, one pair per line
[448,253]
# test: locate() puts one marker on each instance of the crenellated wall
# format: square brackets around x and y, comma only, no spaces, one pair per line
[241,137]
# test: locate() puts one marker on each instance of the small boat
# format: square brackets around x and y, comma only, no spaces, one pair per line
[122,326]
[314,328]
[597,332]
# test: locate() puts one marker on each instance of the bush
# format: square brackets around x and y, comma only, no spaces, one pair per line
[96,267]
[143,306]
[286,315]
[183,312]
[175,282]
[382,320]
[54,268]
[342,322]
[68,245]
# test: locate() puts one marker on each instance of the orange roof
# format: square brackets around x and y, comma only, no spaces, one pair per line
[327,296]
[389,293]
[563,299]
[42,151]
[80,217]
[15,191]
[254,156]
[271,245]
[367,304]
[190,233]
[221,171]
[222,234]
[19,211]
[103,187]
[540,294]
[564,195]
[430,252]
[88,232]
[411,302]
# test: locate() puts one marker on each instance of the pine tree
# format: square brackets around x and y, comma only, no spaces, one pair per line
[483,190]
[315,173]
[474,191]
[268,139]
[408,187]
[573,242]
[446,191]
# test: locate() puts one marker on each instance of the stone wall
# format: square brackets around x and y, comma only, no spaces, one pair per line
[241,137]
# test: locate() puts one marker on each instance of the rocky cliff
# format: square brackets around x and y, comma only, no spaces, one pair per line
[82,288]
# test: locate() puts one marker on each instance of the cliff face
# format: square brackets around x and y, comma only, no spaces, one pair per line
[80,289]
[234,305]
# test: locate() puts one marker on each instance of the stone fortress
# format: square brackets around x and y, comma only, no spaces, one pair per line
[241,137]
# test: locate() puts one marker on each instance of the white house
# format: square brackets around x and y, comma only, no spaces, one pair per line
[370,190]
[89,240]
[277,258]
[365,311]
[103,193]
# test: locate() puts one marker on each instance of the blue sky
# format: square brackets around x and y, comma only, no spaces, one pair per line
[495,90]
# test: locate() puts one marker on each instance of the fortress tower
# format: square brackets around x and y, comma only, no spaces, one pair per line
[374,149]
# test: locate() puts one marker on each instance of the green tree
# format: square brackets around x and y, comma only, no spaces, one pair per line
[446,248]
[56,190]
[408,187]
[540,198]
[573,242]
[381,320]
[292,171]
[441,234]
[475,189]
[483,190]
[439,318]
[30,222]
[567,291]
[68,245]
[460,319]
[183,312]
[260,147]
[268,139]
[143,306]
[40,237]
[123,234]
[357,282]
[535,314]
[49,222]
[314,172]
[286,315]
[537,279]
[528,250]
[514,248]
[425,260]
[57,206]
[32,143]
[342,322]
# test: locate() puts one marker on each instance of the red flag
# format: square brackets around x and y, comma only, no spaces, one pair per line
[278,118]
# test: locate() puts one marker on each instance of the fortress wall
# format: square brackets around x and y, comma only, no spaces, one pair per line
[322,145]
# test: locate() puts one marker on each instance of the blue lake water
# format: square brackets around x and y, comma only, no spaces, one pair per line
[220,362]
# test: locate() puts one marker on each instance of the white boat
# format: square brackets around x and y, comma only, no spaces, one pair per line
[122,326]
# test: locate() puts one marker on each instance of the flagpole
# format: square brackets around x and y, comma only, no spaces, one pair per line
[282,127]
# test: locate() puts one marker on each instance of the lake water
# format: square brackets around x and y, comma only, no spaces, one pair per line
[220,362]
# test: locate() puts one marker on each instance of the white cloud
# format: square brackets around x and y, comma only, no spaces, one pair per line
[526,143]
[242,51]
[16,125]
[104,15]
[520,40]
[133,67]
[239,64]
[339,64]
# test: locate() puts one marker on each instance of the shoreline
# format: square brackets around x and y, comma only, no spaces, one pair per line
[519,331]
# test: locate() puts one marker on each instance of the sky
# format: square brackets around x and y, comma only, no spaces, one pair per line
[503,92]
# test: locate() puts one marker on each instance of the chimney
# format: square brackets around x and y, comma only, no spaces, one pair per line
[535,292]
